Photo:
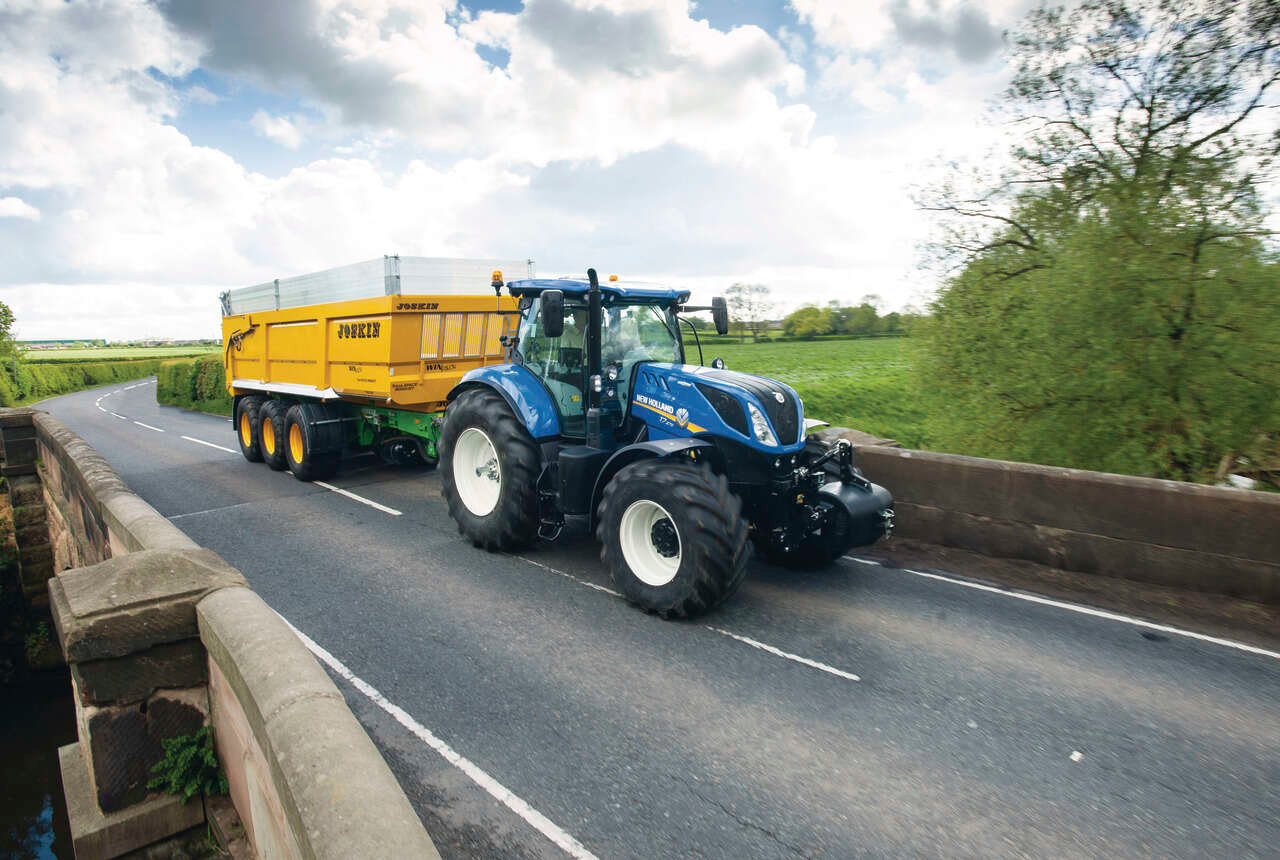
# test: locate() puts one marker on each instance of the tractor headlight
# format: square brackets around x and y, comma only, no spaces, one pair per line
[760,426]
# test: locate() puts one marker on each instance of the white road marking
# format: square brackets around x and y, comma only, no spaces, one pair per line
[1083,610]
[497,790]
[118,415]
[361,499]
[778,652]
[210,444]
[148,426]
[1076,755]
[569,576]
[823,667]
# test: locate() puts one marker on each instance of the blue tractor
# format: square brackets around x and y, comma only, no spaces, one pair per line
[598,424]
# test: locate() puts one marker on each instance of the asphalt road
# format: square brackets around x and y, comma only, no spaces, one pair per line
[858,711]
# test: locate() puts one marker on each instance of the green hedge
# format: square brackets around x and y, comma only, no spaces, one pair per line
[194,383]
[22,383]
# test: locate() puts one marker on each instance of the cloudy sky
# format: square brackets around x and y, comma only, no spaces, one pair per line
[155,153]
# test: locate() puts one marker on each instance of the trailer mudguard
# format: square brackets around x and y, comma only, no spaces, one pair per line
[523,391]
[645,450]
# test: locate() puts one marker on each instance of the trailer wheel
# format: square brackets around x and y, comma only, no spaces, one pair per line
[272,434]
[490,471]
[247,430]
[673,536]
[306,454]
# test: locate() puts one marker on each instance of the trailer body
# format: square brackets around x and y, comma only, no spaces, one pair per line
[402,351]
[367,364]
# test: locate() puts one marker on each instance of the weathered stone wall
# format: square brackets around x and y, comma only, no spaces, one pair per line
[163,636]
[1188,536]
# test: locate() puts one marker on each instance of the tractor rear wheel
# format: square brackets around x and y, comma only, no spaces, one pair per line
[673,536]
[246,424]
[490,471]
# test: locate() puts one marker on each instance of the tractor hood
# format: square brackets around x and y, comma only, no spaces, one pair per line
[685,399]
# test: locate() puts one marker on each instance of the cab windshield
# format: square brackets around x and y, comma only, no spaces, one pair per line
[630,333]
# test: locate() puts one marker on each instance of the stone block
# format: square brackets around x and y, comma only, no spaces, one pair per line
[122,742]
[36,534]
[27,515]
[38,558]
[19,451]
[124,680]
[26,490]
[37,572]
[133,602]
[97,836]
[16,416]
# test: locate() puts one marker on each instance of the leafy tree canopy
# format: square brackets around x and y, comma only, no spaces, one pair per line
[1115,303]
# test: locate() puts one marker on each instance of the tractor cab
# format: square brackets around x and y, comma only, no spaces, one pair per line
[638,324]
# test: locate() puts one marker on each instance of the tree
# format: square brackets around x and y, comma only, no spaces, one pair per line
[808,322]
[751,307]
[7,345]
[1114,304]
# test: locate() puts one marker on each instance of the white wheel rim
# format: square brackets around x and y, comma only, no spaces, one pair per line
[651,562]
[476,471]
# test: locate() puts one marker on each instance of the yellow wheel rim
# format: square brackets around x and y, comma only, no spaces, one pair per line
[269,437]
[295,443]
[246,430]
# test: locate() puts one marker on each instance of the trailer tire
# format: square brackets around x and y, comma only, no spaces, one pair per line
[273,435]
[248,433]
[311,456]
[673,536]
[496,510]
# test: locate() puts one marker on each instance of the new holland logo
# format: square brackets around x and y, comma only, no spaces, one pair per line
[682,416]
[777,395]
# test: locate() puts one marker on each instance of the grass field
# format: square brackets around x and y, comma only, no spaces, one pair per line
[110,353]
[864,384]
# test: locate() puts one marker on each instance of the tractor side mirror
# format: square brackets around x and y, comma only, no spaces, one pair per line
[717,363]
[720,314]
[553,312]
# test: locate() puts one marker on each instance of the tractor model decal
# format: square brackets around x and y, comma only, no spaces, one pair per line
[666,410]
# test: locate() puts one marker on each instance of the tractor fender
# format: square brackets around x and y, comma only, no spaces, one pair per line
[650,449]
[524,393]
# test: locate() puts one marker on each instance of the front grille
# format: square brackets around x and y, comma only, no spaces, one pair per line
[784,416]
[727,406]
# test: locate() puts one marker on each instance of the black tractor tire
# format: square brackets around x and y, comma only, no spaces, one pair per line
[512,522]
[711,534]
[273,436]
[310,452]
[246,424]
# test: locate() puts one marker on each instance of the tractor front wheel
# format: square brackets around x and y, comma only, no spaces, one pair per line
[673,536]
[489,467]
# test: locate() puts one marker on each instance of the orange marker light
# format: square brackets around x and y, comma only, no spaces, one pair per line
[613,277]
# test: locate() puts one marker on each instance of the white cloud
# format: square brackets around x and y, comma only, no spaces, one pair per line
[621,133]
[16,207]
[280,129]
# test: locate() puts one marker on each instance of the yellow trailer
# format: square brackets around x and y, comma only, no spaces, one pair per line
[402,351]
[371,372]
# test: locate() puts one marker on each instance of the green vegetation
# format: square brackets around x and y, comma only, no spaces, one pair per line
[1116,308]
[867,384]
[194,383]
[48,356]
[189,767]
[863,319]
[22,383]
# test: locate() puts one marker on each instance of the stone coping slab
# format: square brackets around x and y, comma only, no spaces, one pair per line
[133,602]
